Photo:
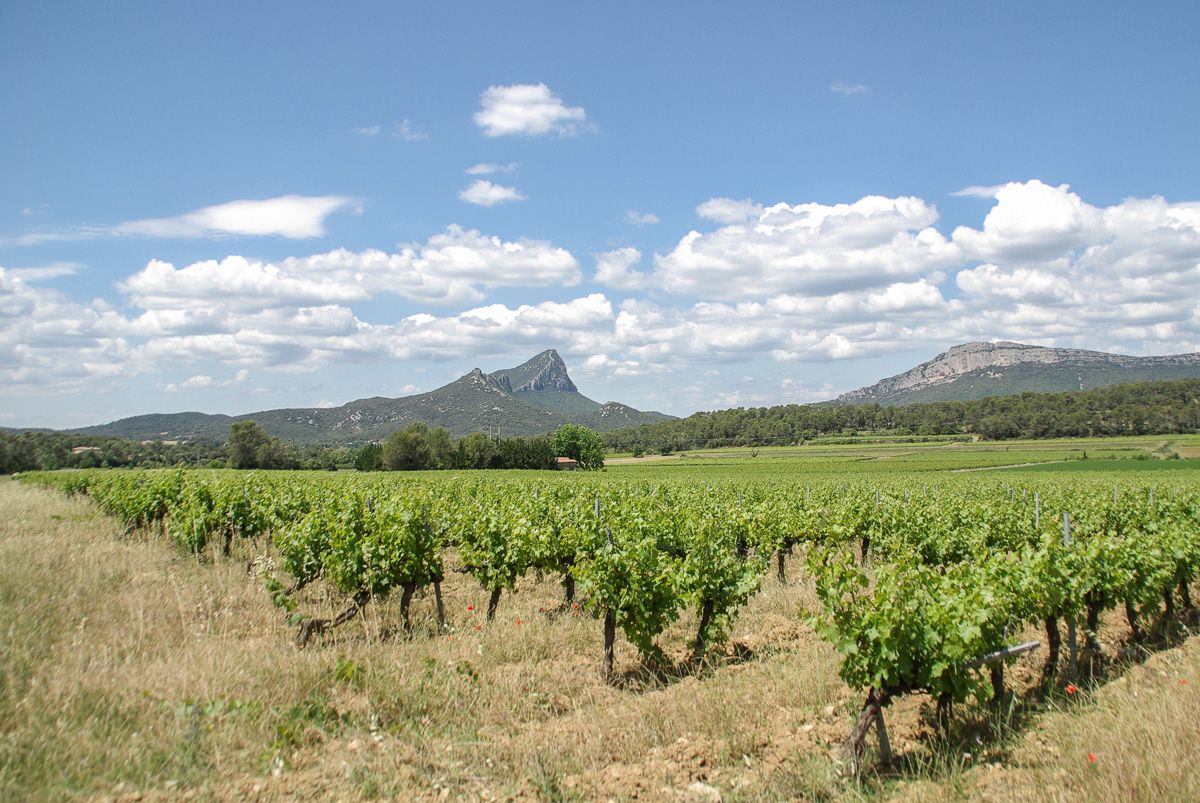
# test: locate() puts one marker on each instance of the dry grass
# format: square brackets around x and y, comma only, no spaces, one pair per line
[129,668]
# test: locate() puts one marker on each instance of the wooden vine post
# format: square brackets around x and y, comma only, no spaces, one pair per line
[610,623]
[1073,652]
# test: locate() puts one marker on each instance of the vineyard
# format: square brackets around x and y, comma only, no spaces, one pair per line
[924,582]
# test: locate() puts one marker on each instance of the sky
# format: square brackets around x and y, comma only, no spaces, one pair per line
[230,207]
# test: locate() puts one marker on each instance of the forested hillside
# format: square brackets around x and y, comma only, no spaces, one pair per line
[1141,408]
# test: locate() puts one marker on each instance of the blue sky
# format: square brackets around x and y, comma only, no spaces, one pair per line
[243,206]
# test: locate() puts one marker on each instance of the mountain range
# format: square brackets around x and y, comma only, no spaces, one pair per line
[977,370]
[533,398]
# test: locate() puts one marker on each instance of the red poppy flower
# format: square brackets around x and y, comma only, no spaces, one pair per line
[470,608]
[1092,757]
[1071,688]
[518,621]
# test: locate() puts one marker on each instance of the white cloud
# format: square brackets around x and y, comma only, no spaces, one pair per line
[809,248]
[806,283]
[1031,222]
[727,210]
[847,89]
[484,193]
[614,269]
[636,218]
[291,216]
[528,109]
[193,383]
[487,168]
[1059,270]
[404,130]
[978,191]
[454,266]
[42,273]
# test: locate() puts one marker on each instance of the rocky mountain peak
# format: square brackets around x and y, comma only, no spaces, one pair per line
[975,370]
[546,371]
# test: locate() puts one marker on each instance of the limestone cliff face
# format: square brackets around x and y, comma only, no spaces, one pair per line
[982,369]
[546,371]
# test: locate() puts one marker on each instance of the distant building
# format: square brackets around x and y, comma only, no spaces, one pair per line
[567,463]
[82,449]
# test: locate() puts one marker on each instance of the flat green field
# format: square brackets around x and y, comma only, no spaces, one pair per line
[891,459]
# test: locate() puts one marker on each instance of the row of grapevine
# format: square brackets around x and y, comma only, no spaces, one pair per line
[916,583]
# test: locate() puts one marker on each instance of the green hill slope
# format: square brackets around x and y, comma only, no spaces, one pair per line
[533,398]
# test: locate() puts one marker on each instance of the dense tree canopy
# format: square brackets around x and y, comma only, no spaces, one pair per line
[1142,408]
[581,444]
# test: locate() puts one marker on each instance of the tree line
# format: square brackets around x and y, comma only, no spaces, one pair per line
[417,447]
[1140,408]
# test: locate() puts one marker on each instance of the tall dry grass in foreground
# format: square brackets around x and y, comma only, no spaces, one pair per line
[129,669]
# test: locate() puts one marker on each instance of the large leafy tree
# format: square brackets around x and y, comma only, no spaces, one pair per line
[408,449]
[581,444]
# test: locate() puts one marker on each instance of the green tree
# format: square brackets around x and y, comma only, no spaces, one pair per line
[476,450]
[369,457]
[441,448]
[581,444]
[246,438]
[407,449]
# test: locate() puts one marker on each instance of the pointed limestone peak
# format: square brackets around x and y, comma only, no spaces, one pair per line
[546,371]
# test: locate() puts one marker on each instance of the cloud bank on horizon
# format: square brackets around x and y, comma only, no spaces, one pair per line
[800,282]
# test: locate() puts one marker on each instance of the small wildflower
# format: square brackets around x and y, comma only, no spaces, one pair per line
[1072,688]
[1183,681]
[1092,757]
[518,621]
[470,608]
[479,627]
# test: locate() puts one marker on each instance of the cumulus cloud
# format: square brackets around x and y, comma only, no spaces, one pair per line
[526,109]
[1060,270]
[1031,222]
[50,344]
[614,269]
[727,210]
[453,266]
[484,193]
[811,248]
[636,218]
